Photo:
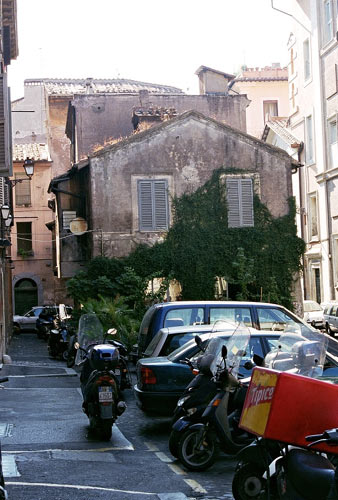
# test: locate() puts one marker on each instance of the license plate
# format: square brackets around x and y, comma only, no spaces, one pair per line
[105,393]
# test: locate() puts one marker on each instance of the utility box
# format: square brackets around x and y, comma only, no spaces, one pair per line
[285,407]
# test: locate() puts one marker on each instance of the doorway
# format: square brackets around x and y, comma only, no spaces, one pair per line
[25,295]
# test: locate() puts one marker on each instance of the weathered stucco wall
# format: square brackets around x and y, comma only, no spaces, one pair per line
[184,151]
[103,117]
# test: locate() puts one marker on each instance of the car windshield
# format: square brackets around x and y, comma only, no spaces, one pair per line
[311,306]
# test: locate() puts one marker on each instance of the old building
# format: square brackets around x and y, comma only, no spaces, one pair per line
[123,191]
[313,112]
[8,52]
[33,280]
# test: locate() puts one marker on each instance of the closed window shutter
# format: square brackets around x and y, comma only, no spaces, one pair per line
[247,203]
[153,205]
[22,191]
[6,169]
[2,191]
[240,202]
[161,205]
[145,205]
[233,200]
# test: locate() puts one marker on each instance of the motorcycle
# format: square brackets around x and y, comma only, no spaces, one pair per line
[265,464]
[59,335]
[100,387]
[200,442]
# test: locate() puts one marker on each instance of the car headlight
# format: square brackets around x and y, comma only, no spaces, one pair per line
[181,401]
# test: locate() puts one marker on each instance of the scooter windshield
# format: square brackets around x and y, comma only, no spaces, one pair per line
[90,332]
[235,336]
[300,352]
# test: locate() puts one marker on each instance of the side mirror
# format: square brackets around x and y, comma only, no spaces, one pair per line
[249,365]
[112,331]
[198,341]
[224,351]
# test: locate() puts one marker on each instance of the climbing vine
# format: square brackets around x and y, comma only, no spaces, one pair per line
[259,263]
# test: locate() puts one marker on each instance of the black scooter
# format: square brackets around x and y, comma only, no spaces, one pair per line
[200,442]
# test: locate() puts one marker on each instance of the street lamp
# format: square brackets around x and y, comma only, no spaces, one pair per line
[29,170]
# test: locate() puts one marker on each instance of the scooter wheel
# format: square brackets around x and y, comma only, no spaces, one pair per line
[105,431]
[247,483]
[174,439]
[195,452]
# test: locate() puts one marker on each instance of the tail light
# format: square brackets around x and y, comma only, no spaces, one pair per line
[104,380]
[147,375]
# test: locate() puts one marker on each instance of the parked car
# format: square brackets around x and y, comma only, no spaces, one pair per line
[313,313]
[331,318]
[162,380]
[168,340]
[259,315]
[27,322]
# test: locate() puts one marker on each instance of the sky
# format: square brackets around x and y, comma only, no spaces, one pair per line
[154,41]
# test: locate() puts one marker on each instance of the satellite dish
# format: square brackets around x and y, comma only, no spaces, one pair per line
[78,226]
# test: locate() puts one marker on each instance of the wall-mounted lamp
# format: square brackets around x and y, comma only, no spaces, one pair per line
[6,218]
[29,170]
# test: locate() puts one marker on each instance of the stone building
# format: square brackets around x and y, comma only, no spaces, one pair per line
[123,191]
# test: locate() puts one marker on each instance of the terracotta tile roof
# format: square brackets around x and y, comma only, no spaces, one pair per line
[69,87]
[35,151]
[279,126]
[267,74]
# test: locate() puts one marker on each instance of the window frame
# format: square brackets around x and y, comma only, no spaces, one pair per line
[25,185]
[332,145]
[155,203]
[267,116]
[309,138]
[328,23]
[236,210]
[307,60]
[23,245]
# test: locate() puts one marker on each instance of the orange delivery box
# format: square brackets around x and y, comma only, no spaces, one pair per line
[287,407]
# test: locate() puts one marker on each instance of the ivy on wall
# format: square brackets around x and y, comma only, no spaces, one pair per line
[259,262]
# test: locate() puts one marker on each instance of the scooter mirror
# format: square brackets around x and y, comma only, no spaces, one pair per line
[112,331]
[224,351]
[77,345]
[248,365]
[198,341]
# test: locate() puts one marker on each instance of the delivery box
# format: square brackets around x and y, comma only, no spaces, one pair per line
[287,407]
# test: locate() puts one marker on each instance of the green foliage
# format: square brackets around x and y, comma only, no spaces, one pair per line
[115,313]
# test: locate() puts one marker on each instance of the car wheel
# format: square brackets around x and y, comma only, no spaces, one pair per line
[197,451]
[329,330]
[247,483]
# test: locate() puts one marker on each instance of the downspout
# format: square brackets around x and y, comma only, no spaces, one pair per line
[301,201]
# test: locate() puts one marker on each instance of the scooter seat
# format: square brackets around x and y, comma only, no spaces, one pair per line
[310,474]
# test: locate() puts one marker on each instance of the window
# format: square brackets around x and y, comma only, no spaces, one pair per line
[270,108]
[184,316]
[309,140]
[333,143]
[24,238]
[22,191]
[240,202]
[153,205]
[274,319]
[307,60]
[232,314]
[328,22]
[313,217]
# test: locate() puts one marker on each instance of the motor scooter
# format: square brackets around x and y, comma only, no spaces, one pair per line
[102,397]
[259,470]
[200,442]
[58,337]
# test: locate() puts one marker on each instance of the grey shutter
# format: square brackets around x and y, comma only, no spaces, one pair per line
[240,202]
[247,219]
[160,205]
[145,205]
[233,195]
[153,205]
[6,166]
[2,191]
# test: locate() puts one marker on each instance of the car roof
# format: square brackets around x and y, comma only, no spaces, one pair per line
[214,302]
